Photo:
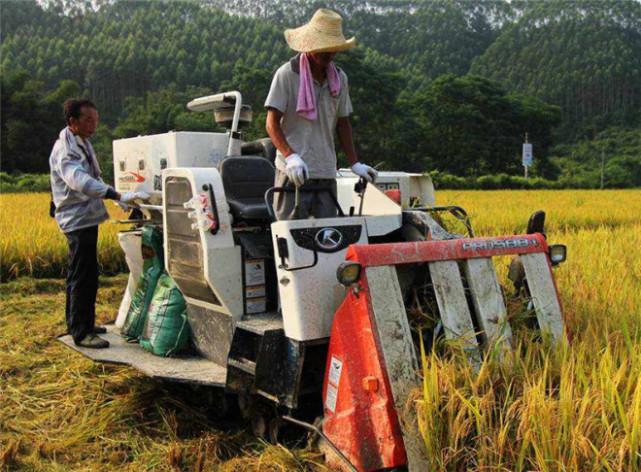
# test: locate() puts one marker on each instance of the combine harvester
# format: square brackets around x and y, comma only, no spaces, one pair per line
[311,318]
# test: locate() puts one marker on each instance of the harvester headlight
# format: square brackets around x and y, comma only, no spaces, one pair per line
[558,253]
[348,273]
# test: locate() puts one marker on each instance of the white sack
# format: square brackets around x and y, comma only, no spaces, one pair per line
[131,243]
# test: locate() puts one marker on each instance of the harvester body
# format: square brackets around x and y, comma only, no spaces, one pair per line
[271,321]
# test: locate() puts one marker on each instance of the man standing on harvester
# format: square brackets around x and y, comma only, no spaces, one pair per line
[77,192]
[308,101]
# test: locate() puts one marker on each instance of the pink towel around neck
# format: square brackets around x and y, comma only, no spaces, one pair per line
[306,105]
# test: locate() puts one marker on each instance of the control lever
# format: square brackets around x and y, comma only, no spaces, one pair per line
[296,202]
[359,188]
[283,255]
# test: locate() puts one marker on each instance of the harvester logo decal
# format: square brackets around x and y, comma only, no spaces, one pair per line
[328,238]
[138,177]
[131,177]
[490,244]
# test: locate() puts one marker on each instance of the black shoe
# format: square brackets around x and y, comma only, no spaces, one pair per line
[92,341]
[99,330]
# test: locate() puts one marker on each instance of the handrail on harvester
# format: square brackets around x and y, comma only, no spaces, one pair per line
[213,102]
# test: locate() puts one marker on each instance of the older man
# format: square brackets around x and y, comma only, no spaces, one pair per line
[308,101]
[77,191]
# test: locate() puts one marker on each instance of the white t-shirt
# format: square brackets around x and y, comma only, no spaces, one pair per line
[312,140]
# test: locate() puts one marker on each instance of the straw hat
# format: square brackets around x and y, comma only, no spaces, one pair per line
[323,33]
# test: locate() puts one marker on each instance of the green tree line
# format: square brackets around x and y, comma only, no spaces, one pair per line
[444,85]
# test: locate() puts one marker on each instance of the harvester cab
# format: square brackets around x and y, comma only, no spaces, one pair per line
[305,318]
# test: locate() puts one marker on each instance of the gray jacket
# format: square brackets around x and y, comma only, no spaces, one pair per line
[76,185]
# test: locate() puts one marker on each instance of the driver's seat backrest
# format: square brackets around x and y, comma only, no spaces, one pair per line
[246,179]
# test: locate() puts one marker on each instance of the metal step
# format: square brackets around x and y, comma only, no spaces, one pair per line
[193,370]
[243,364]
[261,323]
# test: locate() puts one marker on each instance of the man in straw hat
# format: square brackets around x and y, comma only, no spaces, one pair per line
[308,101]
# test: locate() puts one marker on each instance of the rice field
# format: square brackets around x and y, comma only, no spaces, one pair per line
[31,243]
[572,408]
[576,407]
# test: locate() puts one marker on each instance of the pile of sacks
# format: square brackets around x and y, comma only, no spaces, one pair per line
[157,316]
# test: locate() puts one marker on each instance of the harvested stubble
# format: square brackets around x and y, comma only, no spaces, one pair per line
[60,411]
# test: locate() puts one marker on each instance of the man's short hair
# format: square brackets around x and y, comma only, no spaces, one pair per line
[73,107]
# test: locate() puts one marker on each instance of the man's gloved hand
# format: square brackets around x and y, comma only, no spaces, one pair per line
[365,171]
[296,169]
[131,196]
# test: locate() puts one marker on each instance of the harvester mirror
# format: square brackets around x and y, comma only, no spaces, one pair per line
[348,273]
[558,253]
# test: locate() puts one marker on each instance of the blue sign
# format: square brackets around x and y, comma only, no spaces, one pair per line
[528,157]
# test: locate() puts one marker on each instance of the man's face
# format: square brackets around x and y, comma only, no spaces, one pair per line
[322,58]
[85,125]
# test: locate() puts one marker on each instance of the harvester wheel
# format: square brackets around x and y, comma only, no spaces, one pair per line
[275,429]
[219,404]
[260,426]
[245,405]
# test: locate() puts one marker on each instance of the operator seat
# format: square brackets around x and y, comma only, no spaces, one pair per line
[260,147]
[246,179]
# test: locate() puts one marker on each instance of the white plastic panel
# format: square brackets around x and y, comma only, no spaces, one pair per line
[382,214]
[138,161]
[221,259]
[413,187]
[309,297]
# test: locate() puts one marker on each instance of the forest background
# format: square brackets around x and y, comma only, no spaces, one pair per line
[448,87]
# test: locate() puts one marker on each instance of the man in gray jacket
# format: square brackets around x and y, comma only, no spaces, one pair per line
[77,191]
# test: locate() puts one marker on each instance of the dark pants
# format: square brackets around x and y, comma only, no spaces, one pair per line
[318,204]
[82,282]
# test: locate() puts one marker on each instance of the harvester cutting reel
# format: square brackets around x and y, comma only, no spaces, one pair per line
[442,298]
[434,286]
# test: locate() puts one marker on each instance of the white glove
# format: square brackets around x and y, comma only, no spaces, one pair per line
[129,197]
[296,169]
[365,171]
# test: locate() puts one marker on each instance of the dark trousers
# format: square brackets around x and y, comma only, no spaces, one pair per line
[82,282]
